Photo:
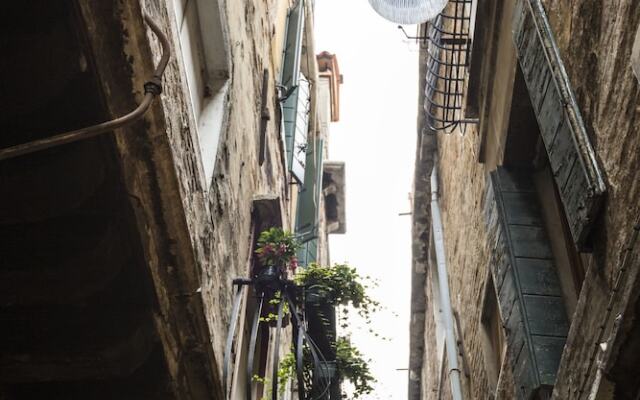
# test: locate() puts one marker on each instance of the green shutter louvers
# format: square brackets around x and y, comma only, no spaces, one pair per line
[526,281]
[572,159]
[293,47]
[309,195]
[296,105]
[308,252]
[295,115]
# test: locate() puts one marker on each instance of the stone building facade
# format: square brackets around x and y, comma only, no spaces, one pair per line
[528,115]
[119,250]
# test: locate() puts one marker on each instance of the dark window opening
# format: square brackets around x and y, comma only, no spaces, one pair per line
[525,151]
[492,335]
[331,207]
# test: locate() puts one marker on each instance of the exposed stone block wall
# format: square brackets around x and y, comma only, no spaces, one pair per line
[220,227]
[595,39]
[200,233]
[463,182]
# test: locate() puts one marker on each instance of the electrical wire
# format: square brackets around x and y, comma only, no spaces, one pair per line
[152,88]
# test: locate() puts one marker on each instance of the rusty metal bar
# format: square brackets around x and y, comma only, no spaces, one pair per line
[152,88]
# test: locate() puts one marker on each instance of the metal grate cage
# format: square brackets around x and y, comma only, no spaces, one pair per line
[448,53]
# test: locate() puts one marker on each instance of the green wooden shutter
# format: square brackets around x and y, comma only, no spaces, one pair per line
[293,47]
[295,108]
[308,252]
[531,303]
[309,195]
[296,126]
[571,156]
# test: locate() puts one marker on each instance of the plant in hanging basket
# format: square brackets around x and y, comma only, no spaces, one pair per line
[336,285]
[349,365]
[277,248]
[276,251]
[353,367]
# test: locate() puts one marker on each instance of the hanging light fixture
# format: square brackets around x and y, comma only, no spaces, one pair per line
[408,11]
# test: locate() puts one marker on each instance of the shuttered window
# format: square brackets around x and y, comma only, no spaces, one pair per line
[309,195]
[293,47]
[308,252]
[296,126]
[295,108]
[571,156]
[526,280]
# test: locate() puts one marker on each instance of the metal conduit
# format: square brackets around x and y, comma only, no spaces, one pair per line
[152,88]
[451,344]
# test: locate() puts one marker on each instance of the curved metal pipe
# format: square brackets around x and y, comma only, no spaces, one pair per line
[316,353]
[445,297]
[276,351]
[299,349]
[152,88]
[252,345]
[235,312]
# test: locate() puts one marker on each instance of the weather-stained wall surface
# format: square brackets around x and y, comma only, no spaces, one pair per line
[188,185]
[542,266]
[218,213]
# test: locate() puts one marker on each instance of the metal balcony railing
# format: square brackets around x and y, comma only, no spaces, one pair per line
[312,383]
[448,53]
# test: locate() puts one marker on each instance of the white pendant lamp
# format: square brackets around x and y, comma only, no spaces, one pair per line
[408,11]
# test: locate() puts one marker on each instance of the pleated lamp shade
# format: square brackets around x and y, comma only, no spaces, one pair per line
[408,11]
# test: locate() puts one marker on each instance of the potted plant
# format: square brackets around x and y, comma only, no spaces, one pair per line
[276,251]
[336,285]
[349,365]
[352,366]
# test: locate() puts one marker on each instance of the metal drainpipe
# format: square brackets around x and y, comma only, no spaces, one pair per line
[445,300]
[152,88]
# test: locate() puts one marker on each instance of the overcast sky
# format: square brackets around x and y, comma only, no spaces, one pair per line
[376,138]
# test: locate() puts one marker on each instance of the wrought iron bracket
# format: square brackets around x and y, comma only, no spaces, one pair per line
[302,343]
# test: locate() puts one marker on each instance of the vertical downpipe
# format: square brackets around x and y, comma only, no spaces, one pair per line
[445,299]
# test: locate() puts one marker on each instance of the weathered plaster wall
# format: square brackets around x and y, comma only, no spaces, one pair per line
[221,229]
[198,235]
[219,217]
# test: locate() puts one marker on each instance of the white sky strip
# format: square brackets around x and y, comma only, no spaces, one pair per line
[376,138]
[408,11]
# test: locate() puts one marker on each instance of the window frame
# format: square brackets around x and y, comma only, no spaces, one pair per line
[205,59]
[292,82]
[491,324]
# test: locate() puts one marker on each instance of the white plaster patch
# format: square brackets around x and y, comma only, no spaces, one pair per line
[635,55]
